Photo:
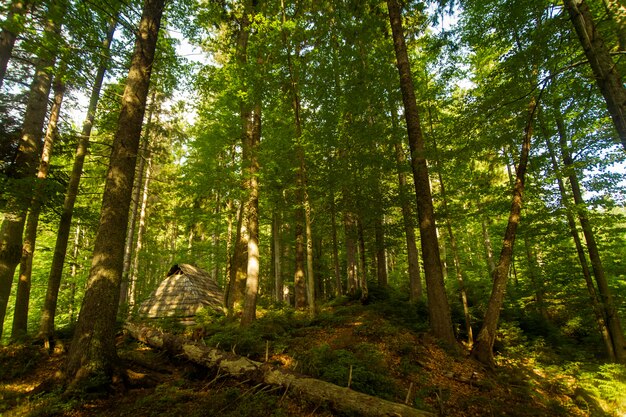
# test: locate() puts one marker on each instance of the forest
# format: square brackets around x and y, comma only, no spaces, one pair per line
[421,202]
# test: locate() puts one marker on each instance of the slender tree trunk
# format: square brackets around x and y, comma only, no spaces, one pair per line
[453,244]
[304,286]
[22,298]
[130,244]
[362,261]
[457,266]
[336,268]
[580,251]
[415,279]
[299,280]
[438,307]
[277,252]
[92,352]
[483,348]
[239,264]
[12,27]
[252,281]
[311,281]
[491,264]
[60,247]
[141,230]
[24,168]
[351,251]
[535,278]
[381,255]
[606,298]
[73,275]
[604,69]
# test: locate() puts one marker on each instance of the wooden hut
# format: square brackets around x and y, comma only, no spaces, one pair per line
[185,290]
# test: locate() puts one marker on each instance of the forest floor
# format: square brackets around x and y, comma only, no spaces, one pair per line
[382,348]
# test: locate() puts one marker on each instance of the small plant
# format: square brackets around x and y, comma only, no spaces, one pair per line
[364,368]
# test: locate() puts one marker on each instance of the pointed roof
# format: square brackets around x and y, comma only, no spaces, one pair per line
[186,290]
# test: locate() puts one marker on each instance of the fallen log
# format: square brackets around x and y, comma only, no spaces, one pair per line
[342,399]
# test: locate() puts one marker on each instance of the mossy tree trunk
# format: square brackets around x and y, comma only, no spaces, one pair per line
[92,353]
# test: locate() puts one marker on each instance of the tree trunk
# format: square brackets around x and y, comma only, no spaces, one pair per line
[453,245]
[239,264]
[92,352]
[415,279]
[134,214]
[362,261]
[342,400]
[336,268]
[277,254]
[580,251]
[483,348]
[23,169]
[299,279]
[603,67]
[438,308]
[12,27]
[351,252]
[22,298]
[491,264]
[252,280]
[536,280]
[606,298]
[381,255]
[73,275]
[311,281]
[141,230]
[65,223]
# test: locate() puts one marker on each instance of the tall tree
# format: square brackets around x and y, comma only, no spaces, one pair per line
[483,348]
[611,314]
[92,354]
[438,308]
[65,223]
[22,298]
[604,69]
[23,169]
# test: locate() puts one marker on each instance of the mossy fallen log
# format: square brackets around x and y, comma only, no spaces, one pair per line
[342,399]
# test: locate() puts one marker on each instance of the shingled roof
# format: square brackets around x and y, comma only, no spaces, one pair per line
[186,290]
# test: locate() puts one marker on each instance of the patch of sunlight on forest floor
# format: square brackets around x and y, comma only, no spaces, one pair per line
[383,345]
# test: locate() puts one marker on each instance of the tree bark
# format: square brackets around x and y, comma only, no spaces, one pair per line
[65,223]
[491,264]
[604,69]
[252,280]
[277,256]
[483,348]
[381,252]
[340,399]
[438,307]
[351,251]
[336,268]
[12,27]
[135,208]
[141,229]
[362,280]
[415,279]
[606,297]
[239,264]
[22,298]
[23,169]
[92,352]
